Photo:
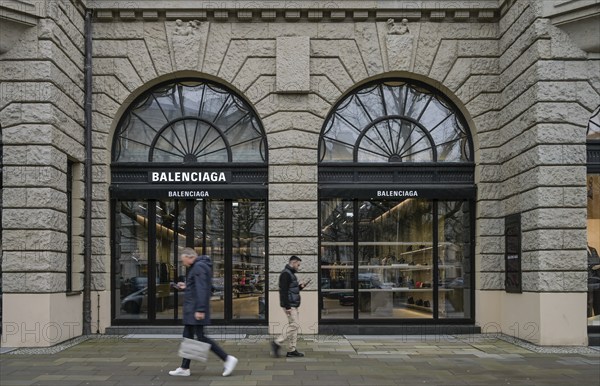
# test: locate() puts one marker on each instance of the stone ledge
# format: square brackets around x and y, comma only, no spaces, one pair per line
[433,13]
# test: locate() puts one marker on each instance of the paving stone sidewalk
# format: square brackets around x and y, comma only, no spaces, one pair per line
[330,360]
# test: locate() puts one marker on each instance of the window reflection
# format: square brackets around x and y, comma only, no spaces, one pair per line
[395,259]
[337,259]
[131,254]
[395,122]
[189,122]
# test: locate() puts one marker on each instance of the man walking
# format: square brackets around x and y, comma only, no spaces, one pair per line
[289,300]
[196,308]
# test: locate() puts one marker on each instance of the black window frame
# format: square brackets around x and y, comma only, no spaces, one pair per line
[69,252]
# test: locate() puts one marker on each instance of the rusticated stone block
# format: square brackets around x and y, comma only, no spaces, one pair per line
[296,210]
[553,281]
[293,227]
[289,119]
[34,219]
[293,69]
[293,138]
[400,52]
[292,156]
[293,245]
[559,260]
[23,261]
[293,173]
[554,218]
[292,192]
[33,282]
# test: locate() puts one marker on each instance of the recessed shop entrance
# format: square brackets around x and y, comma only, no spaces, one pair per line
[189,169]
[396,208]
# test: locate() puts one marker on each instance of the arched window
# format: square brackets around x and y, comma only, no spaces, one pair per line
[188,122]
[395,121]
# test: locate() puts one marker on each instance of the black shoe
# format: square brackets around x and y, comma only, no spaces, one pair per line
[295,353]
[275,349]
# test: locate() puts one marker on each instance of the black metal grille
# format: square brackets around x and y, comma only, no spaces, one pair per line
[415,174]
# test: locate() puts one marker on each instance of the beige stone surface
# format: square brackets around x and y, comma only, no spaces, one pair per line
[293,70]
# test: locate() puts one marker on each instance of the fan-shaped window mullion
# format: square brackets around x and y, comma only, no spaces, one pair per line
[165,115]
[226,131]
[385,112]
[197,147]
[218,115]
[348,122]
[406,108]
[425,134]
[221,136]
[181,104]
[375,126]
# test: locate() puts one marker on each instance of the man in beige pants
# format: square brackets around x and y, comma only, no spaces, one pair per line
[289,300]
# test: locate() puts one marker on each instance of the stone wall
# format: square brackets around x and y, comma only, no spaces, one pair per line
[41,115]
[41,112]
[524,88]
[129,56]
[533,153]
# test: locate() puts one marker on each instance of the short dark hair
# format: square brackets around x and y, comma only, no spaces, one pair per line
[295,258]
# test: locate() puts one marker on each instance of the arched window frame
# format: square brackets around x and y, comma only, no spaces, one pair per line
[221,132]
[413,84]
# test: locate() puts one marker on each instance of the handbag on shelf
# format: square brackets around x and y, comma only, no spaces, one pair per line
[194,350]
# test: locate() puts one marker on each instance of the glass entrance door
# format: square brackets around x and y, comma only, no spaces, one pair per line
[148,237]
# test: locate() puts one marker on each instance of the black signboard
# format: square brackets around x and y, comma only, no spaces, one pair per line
[395,192]
[186,192]
[512,253]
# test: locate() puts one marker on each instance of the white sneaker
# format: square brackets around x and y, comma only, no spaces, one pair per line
[230,364]
[180,372]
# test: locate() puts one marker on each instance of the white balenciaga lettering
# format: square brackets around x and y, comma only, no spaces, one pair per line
[188,193]
[188,176]
[397,193]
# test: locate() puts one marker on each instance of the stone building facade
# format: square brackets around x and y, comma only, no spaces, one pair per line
[525,88]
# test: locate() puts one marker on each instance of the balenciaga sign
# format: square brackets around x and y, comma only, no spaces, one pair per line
[203,177]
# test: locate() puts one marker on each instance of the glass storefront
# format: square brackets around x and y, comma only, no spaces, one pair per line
[396,189]
[236,248]
[189,169]
[383,260]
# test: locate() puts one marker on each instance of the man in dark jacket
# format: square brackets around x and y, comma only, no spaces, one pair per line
[196,308]
[289,300]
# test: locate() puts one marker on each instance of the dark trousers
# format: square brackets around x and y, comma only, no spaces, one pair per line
[189,331]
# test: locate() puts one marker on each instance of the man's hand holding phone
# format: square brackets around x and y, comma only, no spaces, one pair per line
[305,283]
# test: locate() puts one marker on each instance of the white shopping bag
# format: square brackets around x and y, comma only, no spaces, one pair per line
[194,349]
